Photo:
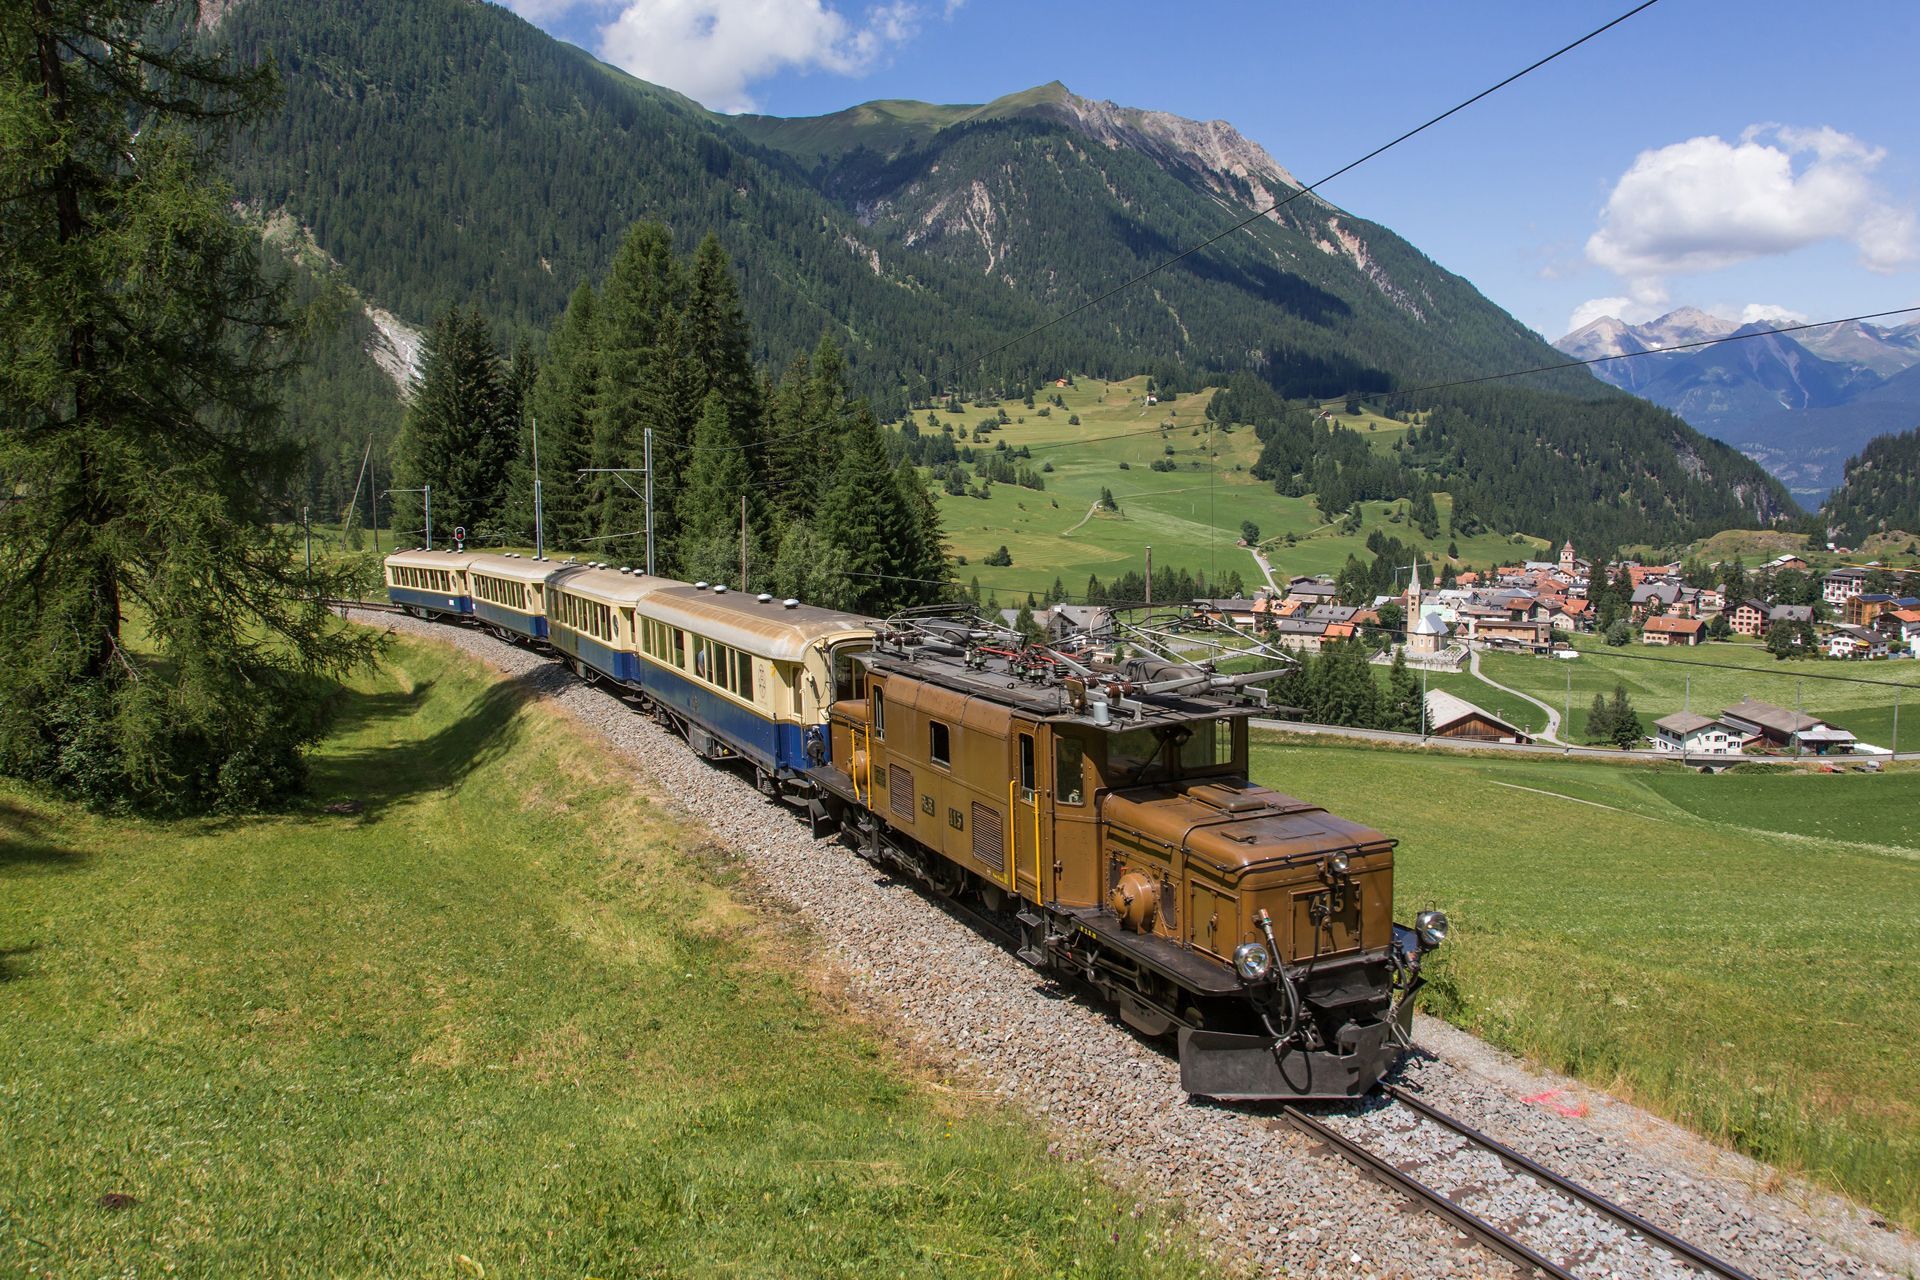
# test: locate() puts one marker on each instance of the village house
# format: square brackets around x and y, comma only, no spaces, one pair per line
[1654,598]
[1298,634]
[1901,627]
[1857,642]
[1842,585]
[1790,613]
[1573,615]
[1670,630]
[1452,717]
[1237,611]
[1749,617]
[1779,563]
[1692,734]
[1861,610]
[1710,600]
[1764,724]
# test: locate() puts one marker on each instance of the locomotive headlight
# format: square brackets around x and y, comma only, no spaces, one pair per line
[1432,926]
[1251,961]
[1338,864]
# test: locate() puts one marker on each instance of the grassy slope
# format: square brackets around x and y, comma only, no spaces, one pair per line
[1658,685]
[501,1013]
[1735,951]
[1191,517]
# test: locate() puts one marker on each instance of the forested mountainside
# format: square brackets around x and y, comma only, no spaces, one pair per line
[447,153]
[1881,491]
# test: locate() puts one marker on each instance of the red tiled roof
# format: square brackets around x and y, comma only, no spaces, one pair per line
[1675,626]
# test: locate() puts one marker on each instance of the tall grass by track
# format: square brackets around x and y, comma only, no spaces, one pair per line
[497,1020]
[1736,952]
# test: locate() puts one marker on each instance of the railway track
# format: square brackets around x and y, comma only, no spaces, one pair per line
[1513,1214]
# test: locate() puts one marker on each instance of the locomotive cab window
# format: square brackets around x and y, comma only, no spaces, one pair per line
[1067,786]
[939,749]
[1210,746]
[880,712]
[1029,783]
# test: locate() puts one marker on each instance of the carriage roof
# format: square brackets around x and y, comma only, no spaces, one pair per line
[769,627]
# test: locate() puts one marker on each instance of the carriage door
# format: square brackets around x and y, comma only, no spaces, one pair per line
[1024,819]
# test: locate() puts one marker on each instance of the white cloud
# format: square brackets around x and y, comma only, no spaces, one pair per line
[1706,203]
[1768,314]
[713,50]
[1647,301]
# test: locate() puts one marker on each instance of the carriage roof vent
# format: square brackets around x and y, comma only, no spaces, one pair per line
[763,597]
[626,569]
[719,588]
[790,603]
[700,586]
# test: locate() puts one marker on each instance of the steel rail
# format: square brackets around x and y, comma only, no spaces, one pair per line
[1693,1255]
[1377,1167]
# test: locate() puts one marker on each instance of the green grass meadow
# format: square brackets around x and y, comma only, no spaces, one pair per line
[510,1017]
[1191,517]
[1736,952]
[1662,680]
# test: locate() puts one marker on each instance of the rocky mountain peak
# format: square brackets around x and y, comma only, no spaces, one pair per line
[1233,165]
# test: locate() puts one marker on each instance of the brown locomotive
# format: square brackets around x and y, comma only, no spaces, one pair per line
[1102,810]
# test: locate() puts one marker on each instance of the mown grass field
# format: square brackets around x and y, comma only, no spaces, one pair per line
[1660,681]
[1735,951]
[500,1019]
[1191,517]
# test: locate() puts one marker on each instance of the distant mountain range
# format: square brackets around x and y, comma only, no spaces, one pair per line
[444,152]
[1800,404]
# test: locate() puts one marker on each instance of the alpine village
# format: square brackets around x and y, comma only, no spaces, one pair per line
[712,638]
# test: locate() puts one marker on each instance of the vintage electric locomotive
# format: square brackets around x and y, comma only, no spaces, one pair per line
[1102,811]
[1097,809]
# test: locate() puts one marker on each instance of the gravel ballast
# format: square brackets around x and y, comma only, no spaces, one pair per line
[1256,1186]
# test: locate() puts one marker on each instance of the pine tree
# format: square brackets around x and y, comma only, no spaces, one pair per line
[708,544]
[563,402]
[670,403]
[644,290]
[1402,710]
[719,340]
[144,446]
[866,518]
[1599,720]
[1623,722]
[459,434]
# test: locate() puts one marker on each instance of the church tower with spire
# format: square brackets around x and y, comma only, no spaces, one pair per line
[1411,603]
[1567,559]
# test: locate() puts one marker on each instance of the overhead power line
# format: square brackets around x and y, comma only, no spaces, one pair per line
[1252,218]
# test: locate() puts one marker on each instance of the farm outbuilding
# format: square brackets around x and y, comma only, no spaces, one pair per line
[1453,717]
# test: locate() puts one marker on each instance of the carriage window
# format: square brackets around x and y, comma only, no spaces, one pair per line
[1027,779]
[1067,786]
[745,661]
[939,749]
[679,648]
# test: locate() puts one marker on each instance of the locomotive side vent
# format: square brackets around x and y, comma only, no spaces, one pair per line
[900,792]
[989,841]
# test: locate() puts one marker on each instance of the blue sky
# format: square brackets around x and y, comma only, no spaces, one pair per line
[1750,157]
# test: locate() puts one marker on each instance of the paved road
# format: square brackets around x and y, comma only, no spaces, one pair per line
[1551,733]
[1266,568]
